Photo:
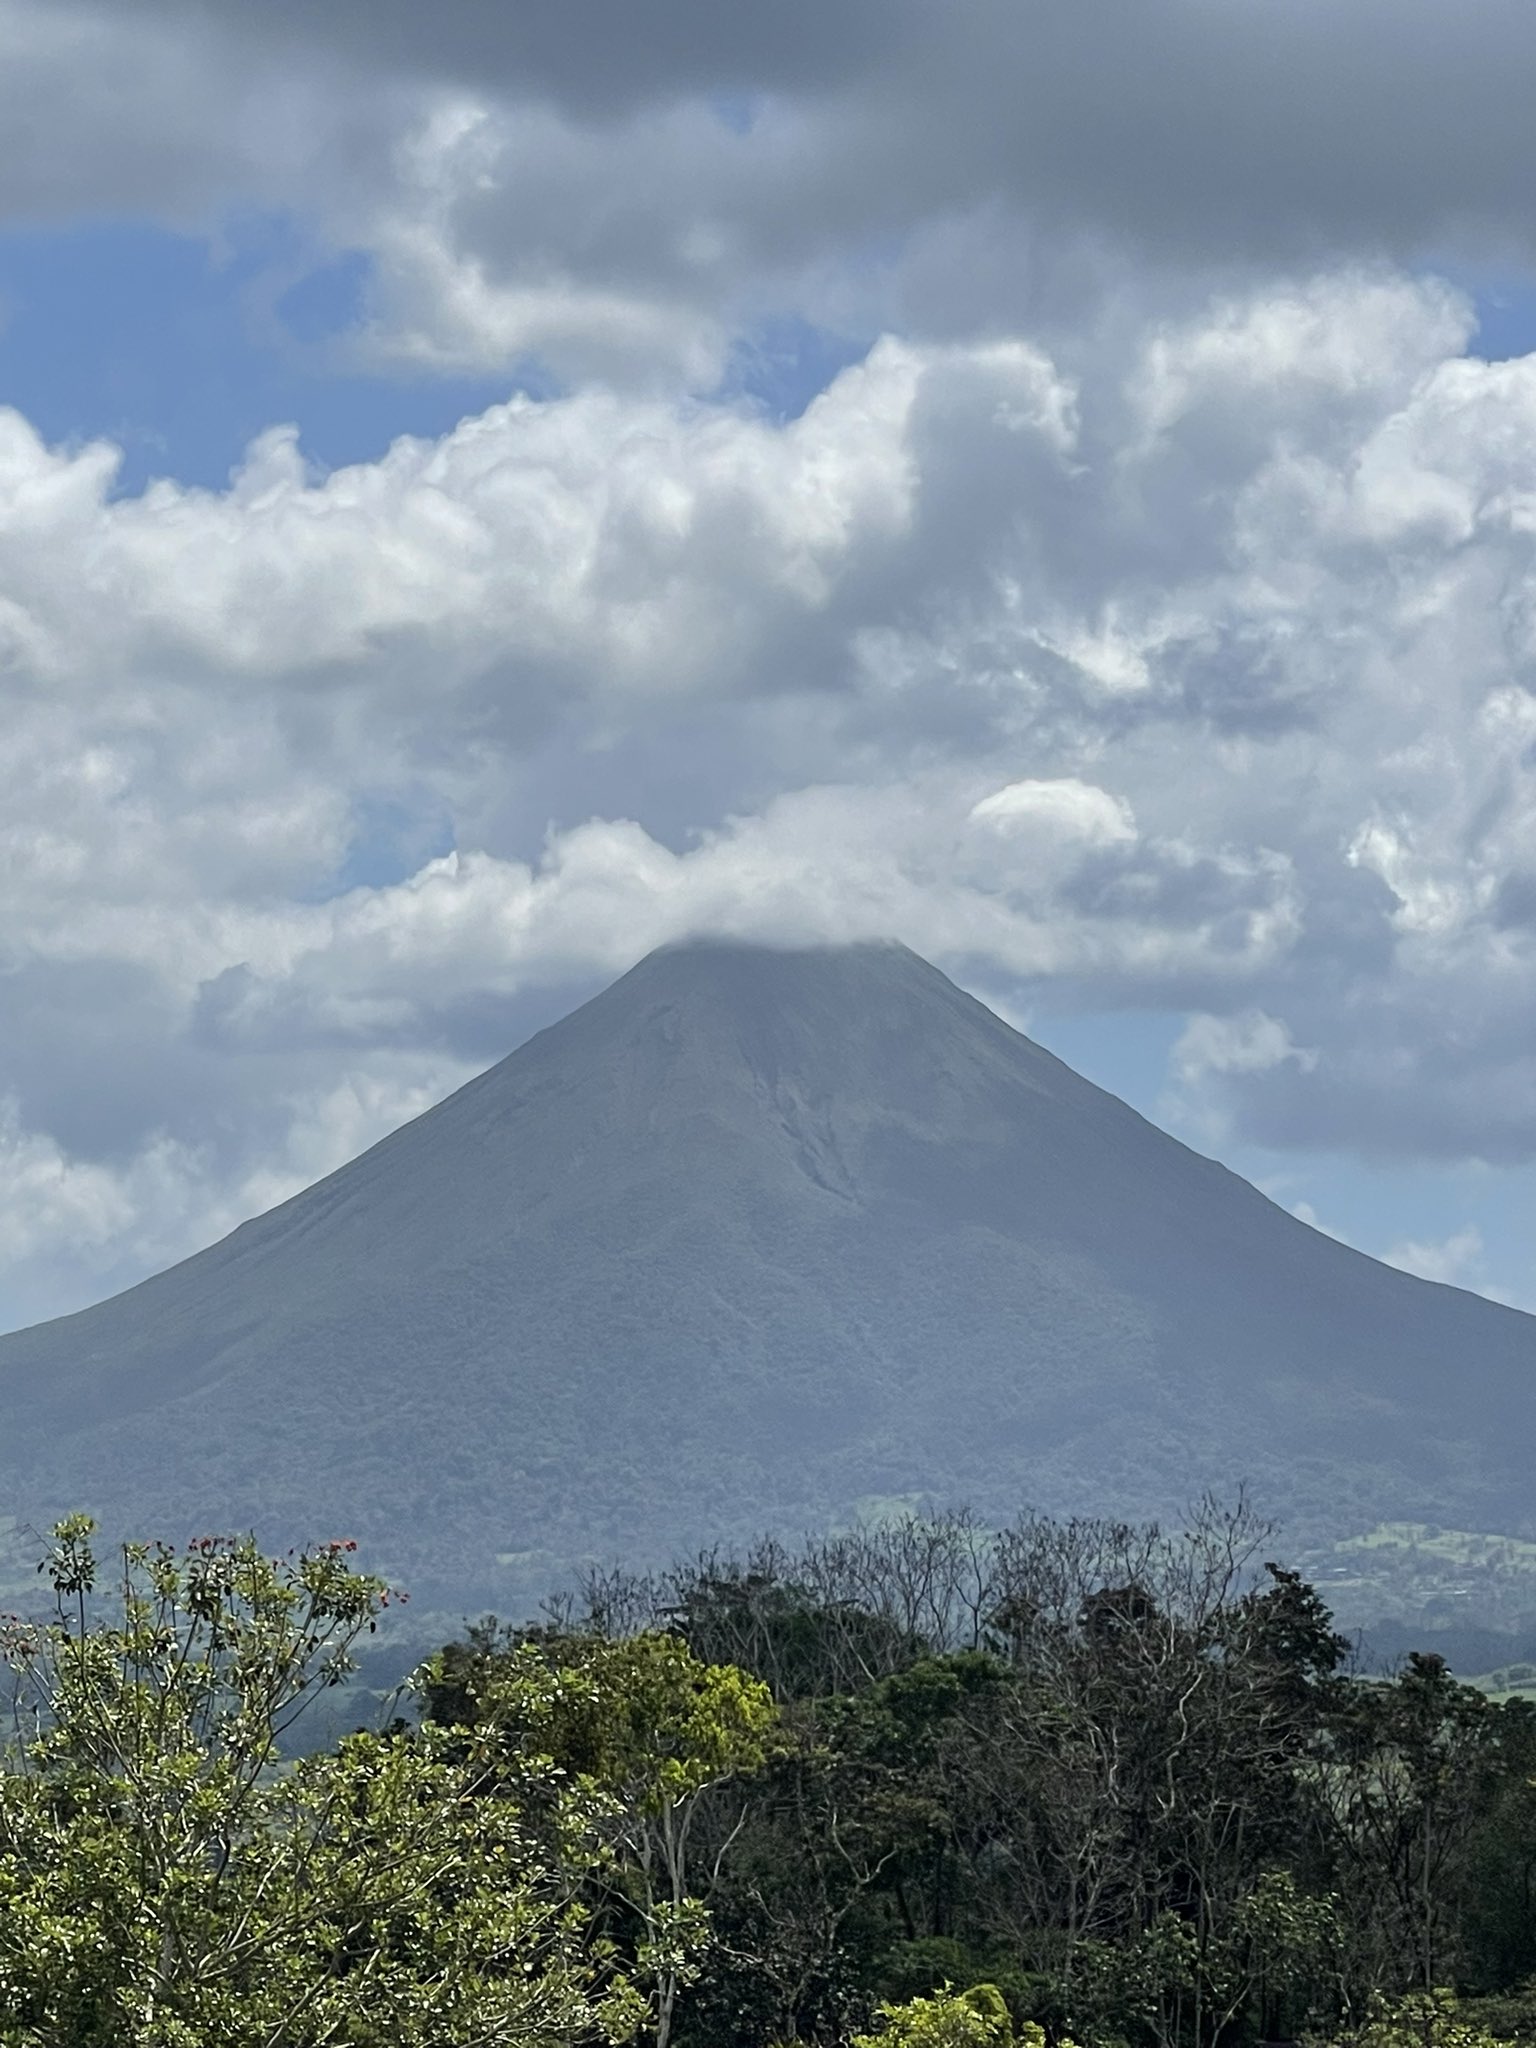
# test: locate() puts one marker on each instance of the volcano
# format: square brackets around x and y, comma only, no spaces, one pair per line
[763,1240]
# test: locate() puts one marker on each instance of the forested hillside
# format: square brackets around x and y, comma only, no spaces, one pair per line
[764,1239]
[930,1787]
[1125,1777]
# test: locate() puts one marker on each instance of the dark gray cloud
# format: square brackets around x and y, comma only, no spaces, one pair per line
[636,187]
[594,57]
[1208,127]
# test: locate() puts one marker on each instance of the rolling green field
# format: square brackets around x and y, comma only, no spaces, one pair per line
[1464,1547]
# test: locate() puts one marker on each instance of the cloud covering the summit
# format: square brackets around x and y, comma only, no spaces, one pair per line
[1135,610]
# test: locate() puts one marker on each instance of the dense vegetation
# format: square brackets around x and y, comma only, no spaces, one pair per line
[943,1788]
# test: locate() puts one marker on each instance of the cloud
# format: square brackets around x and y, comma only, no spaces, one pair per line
[71,1225]
[630,196]
[833,862]
[1063,807]
[596,58]
[651,545]
[1145,617]
[1285,120]
[112,113]
[1248,1043]
[1305,1213]
[1457,1261]
[1192,667]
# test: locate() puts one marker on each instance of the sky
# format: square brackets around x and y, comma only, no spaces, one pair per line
[485,491]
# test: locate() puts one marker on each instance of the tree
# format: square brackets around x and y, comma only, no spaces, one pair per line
[654,1732]
[1423,2019]
[978,2018]
[1414,1772]
[167,1882]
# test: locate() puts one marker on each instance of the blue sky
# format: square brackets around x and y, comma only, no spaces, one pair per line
[181,351]
[840,498]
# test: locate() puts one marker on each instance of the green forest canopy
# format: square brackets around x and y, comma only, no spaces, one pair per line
[1078,1781]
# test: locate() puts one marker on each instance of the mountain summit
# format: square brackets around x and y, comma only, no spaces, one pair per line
[752,1239]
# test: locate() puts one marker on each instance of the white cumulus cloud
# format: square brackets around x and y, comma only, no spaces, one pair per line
[1190,667]
[1456,1260]
[1063,806]
[1248,1043]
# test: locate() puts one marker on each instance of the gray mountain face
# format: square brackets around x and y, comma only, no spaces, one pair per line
[754,1240]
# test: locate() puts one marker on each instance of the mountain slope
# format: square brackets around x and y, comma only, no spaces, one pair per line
[750,1238]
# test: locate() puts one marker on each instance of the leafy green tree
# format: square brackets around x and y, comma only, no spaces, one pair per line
[1414,1776]
[166,1881]
[646,1726]
[978,2018]
[1422,2019]
[1500,1918]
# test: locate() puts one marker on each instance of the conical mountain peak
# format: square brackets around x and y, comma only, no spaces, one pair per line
[871,1023]
[753,1236]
